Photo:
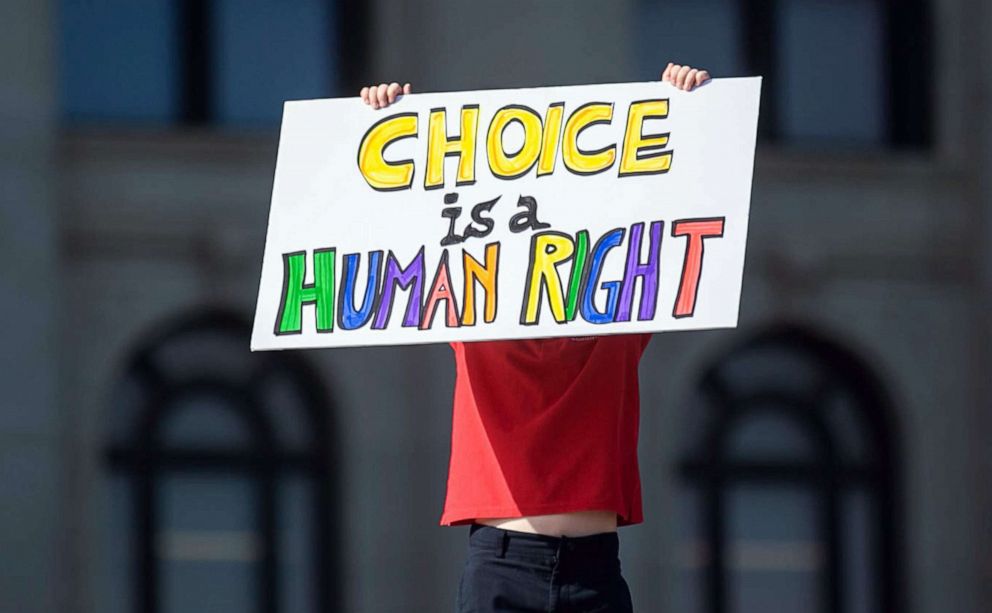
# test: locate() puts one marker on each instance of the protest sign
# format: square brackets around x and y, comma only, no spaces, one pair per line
[507,214]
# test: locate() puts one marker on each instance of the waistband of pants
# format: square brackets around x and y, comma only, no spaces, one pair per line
[603,545]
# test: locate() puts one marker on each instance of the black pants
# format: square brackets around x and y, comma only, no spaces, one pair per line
[516,571]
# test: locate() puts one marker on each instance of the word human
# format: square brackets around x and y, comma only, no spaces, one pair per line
[580,293]
[545,139]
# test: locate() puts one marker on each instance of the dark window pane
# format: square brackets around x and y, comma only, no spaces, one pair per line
[702,33]
[116,554]
[204,502]
[774,368]
[118,60]
[693,554]
[832,74]
[213,354]
[296,542]
[206,421]
[857,561]
[768,436]
[774,554]
[207,547]
[268,51]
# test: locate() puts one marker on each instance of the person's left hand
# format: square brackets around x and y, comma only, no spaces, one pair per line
[685,78]
[382,95]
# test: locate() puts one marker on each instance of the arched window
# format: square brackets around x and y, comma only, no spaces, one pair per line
[221,480]
[791,474]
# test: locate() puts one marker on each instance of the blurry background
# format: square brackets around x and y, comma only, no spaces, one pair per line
[832,454]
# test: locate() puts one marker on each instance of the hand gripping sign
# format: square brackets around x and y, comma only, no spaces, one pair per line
[502,214]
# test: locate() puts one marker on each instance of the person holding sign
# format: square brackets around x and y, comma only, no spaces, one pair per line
[544,457]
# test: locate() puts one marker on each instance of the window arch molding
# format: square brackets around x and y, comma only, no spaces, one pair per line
[211,359]
[730,399]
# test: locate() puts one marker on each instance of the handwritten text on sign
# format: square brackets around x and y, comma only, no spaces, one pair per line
[508,214]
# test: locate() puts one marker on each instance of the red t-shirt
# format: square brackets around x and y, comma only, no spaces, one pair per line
[545,426]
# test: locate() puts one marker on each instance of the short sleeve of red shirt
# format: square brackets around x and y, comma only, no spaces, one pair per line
[545,426]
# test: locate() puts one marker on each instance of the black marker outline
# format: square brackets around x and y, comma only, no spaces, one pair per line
[646,228]
[413,173]
[685,258]
[582,152]
[530,272]
[443,260]
[448,140]
[391,256]
[285,288]
[662,151]
[540,121]
[557,150]
[587,279]
[341,297]
[465,254]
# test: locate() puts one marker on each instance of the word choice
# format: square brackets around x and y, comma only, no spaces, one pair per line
[640,154]
[579,293]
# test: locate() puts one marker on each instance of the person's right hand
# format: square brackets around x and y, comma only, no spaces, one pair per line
[382,95]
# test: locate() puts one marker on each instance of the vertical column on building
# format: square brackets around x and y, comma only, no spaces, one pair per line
[30,470]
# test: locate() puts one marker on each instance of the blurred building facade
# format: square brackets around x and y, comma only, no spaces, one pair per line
[831,454]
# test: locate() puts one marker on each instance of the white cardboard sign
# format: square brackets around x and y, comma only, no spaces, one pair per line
[503,214]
